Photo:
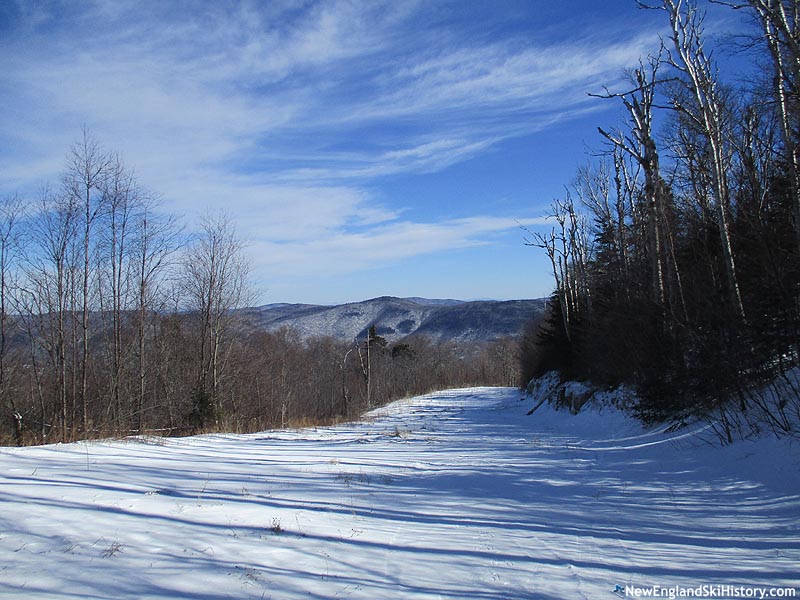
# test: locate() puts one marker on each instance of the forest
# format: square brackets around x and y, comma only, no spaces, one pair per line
[116,321]
[676,250]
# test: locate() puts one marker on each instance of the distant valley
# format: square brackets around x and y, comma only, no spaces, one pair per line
[397,318]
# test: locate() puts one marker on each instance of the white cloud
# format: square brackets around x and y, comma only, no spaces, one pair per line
[343,252]
[285,114]
[222,83]
[284,213]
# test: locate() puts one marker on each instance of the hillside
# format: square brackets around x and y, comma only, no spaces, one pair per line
[396,318]
[454,495]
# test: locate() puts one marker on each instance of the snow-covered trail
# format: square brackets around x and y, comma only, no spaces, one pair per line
[451,495]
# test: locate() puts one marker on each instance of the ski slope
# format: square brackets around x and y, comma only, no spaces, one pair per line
[453,495]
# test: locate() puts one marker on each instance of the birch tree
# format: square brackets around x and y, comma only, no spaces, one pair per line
[640,144]
[707,111]
[780,24]
[568,247]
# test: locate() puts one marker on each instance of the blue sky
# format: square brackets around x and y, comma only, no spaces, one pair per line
[362,148]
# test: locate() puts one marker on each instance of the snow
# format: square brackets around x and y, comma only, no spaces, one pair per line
[450,495]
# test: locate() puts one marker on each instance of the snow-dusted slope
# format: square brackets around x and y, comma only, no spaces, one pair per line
[396,318]
[452,495]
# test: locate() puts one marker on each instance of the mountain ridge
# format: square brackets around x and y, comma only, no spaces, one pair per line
[396,318]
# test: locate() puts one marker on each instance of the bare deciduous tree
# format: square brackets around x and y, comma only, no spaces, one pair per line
[568,246]
[215,282]
[47,278]
[87,174]
[121,196]
[707,110]
[11,209]
[156,240]
[641,146]
[780,22]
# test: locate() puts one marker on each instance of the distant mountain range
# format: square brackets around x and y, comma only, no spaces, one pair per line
[396,318]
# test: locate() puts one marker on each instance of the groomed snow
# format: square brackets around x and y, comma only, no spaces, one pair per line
[451,495]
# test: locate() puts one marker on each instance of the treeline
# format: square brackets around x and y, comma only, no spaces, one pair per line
[676,253]
[322,380]
[113,320]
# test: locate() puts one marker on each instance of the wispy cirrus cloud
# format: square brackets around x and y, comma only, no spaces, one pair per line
[289,114]
[347,251]
[225,82]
